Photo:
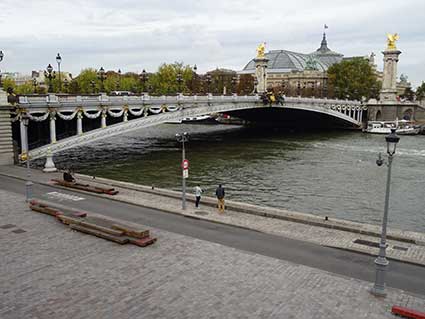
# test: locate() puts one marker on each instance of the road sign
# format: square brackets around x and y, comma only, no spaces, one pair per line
[185,164]
[185,173]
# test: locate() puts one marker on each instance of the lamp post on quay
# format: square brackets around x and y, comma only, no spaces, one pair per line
[381,262]
[25,157]
[59,60]
[183,138]
[101,76]
[50,75]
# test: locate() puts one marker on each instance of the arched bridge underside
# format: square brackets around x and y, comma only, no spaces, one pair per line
[295,112]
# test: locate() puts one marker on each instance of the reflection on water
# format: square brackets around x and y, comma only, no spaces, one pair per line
[326,173]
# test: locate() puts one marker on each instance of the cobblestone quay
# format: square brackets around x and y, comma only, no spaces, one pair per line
[49,271]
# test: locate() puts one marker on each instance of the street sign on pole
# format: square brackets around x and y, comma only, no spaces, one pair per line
[185,173]
[185,164]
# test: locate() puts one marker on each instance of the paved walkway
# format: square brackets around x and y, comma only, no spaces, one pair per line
[48,271]
[307,228]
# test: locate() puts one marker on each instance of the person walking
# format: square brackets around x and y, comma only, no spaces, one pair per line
[198,192]
[219,192]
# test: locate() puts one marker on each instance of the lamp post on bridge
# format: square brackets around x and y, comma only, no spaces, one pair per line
[101,75]
[1,59]
[93,86]
[34,83]
[50,75]
[65,85]
[194,79]
[143,78]
[183,138]
[381,263]
[59,60]
[234,82]
[119,80]
[208,80]
[25,157]
[179,79]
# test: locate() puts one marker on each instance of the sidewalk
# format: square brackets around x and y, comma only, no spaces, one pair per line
[48,271]
[404,246]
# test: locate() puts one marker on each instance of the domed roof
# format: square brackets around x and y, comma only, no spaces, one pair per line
[287,61]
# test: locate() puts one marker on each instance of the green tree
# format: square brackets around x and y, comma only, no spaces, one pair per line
[26,88]
[165,80]
[353,79]
[420,91]
[84,80]
[8,83]
[408,94]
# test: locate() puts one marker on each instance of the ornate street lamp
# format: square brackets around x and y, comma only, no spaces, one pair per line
[208,79]
[381,263]
[1,59]
[143,78]
[25,157]
[255,85]
[179,79]
[101,75]
[182,138]
[119,80]
[50,75]
[34,83]
[59,60]
[194,79]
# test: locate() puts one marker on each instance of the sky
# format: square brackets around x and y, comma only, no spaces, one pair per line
[132,35]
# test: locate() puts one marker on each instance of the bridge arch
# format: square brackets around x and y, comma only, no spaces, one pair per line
[157,110]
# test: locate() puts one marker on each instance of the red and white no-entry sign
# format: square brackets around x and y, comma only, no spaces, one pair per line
[185,164]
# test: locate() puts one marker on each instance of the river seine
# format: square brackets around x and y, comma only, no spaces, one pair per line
[323,173]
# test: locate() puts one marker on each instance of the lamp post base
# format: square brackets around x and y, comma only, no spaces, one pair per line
[28,191]
[378,292]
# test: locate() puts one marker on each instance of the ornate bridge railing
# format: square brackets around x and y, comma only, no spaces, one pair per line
[148,111]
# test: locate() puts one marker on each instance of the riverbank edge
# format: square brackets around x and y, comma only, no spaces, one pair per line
[178,211]
[271,212]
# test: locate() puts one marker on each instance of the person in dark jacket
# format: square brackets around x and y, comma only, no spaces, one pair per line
[67,176]
[219,192]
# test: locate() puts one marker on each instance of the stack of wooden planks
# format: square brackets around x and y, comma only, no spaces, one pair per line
[120,233]
[86,187]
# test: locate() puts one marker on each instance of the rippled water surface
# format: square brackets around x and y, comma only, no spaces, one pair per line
[331,173]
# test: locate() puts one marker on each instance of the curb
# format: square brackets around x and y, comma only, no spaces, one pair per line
[235,206]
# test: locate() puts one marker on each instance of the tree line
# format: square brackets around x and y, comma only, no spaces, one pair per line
[353,79]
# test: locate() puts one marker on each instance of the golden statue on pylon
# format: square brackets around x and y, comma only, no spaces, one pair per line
[391,39]
[261,50]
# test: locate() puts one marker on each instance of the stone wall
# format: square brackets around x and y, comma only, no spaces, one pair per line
[6,141]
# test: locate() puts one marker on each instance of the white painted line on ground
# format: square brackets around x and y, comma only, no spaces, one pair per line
[62,196]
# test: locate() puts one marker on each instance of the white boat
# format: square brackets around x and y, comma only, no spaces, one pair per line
[202,119]
[402,127]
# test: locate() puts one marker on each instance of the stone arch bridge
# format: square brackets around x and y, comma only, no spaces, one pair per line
[148,111]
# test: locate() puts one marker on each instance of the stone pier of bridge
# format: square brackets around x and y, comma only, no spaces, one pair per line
[6,141]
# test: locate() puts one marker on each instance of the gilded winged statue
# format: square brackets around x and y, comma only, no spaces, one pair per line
[391,39]
[260,50]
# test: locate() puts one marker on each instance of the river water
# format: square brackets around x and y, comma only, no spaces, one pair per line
[323,173]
